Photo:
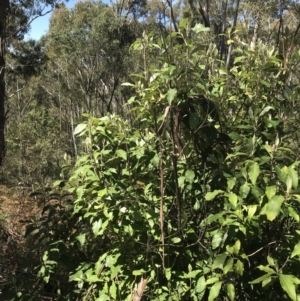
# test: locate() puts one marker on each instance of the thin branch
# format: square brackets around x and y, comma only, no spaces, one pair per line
[260,249]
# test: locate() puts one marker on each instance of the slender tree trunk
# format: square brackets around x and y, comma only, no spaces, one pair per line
[233,29]
[4,4]
[204,13]
[222,49]
[255,33]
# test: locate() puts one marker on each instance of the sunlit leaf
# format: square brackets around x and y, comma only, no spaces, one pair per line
[215,291]
[228,266]
[232,197]
[253,172]
[287,283]
[281,174]
[239,268]
[217,239]
[231,291]
[121,154]
[192,274]
[199,28]
[265,110]
[200,286]
[235,248]
[266,269]
[183,22]
[80,128]
[251,210]
[231,183]
[296,251]
[219,261]
[260,279]
[168,273]
[171,95]
[294,176]
[244,190]
[274,206]
[81,238]
[190,176]
[212,280]
[293,214]
[270,191]
[211,195]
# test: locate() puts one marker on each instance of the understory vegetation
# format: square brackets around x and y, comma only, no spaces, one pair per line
[160,146]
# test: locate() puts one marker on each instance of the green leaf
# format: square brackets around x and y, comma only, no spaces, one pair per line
[251,210]
[289,184]
[260,279]
[212,280]
[96,227]
[231,291]
[235,248]
[228,266]
[281,174]
[192,274]
[168,273]
[253,172]
[296,250]
[265,110]
[214,291]
[219,261]
[190,176]
[121,154]
[294,176]
[138,272]
[266,269]
[274,206]
[244,190]
[200,28]
[231,183]
[81,238]
[239,268]
[113,290]
[251,145]
[287,283]
[200,286]
[127,85]
[271,261]
[79,128]
[216,240]
[232,197]
[183,22]
[211,195]
[293,214]
[171,95]
[176,240]
[270,192]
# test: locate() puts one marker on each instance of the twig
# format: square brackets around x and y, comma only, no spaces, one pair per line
[271,243]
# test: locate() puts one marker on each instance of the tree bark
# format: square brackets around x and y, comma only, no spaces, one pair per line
[255,33]
[233,29]
[140,289]
[4,5]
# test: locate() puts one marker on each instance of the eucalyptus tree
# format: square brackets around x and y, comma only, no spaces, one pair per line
[87,48]
[15,19]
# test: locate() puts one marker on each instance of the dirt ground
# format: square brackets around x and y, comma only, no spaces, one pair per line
[16,206]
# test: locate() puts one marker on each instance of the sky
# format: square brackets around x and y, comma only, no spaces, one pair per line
[40,25]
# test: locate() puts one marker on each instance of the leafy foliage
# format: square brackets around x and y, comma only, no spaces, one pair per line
[191,192]
[197,203]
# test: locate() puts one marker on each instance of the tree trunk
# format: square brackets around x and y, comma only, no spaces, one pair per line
[233,29]
[255,33]
[4,4]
